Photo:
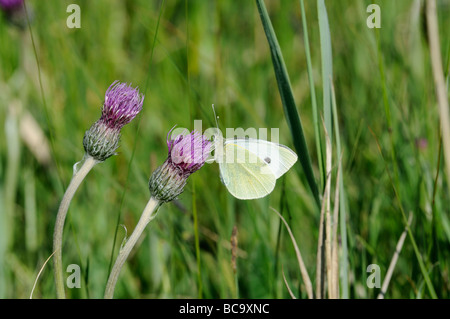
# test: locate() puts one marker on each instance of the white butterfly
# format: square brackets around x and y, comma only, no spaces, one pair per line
[249,168]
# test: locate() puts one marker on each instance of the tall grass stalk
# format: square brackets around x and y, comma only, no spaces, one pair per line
[327,218]
[439,81]
[334,245]
[44,101]
[387,107]
[341,200]
[31,238]
[327,271]
[9,191]
[313,95]
[327,65]
[320,259]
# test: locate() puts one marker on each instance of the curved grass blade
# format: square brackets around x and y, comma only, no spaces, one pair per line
[394,260]
[301,264]
[287,286]
[287,98]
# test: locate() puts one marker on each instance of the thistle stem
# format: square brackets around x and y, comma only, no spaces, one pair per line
[88,163]
[147,215]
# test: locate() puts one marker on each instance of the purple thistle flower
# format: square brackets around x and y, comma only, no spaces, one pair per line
[9,5]
[421,143]
[187,154]
[15,12]
[122,104]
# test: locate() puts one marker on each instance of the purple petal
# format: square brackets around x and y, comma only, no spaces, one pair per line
[189,152]
[11,4]
[122,104]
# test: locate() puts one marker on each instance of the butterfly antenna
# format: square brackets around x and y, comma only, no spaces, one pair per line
[215,116]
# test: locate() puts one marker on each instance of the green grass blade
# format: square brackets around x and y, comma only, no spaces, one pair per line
[287,98]
[387,107]
[313,95]
[44,103]
[194,204]
[327,64]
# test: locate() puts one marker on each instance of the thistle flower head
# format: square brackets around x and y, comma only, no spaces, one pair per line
[187,154]
[122,104]
[15,12]
[9,5]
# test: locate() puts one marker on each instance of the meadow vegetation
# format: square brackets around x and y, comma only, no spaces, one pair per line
[185,56]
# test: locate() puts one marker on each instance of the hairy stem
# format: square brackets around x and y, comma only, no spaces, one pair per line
[147,215]
[88,163]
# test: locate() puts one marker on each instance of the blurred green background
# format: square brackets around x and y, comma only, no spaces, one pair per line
[215,52]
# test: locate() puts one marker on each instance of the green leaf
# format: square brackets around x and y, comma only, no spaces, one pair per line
[287,98]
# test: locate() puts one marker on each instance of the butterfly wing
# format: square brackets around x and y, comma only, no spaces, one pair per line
[242,173]
[279,158]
